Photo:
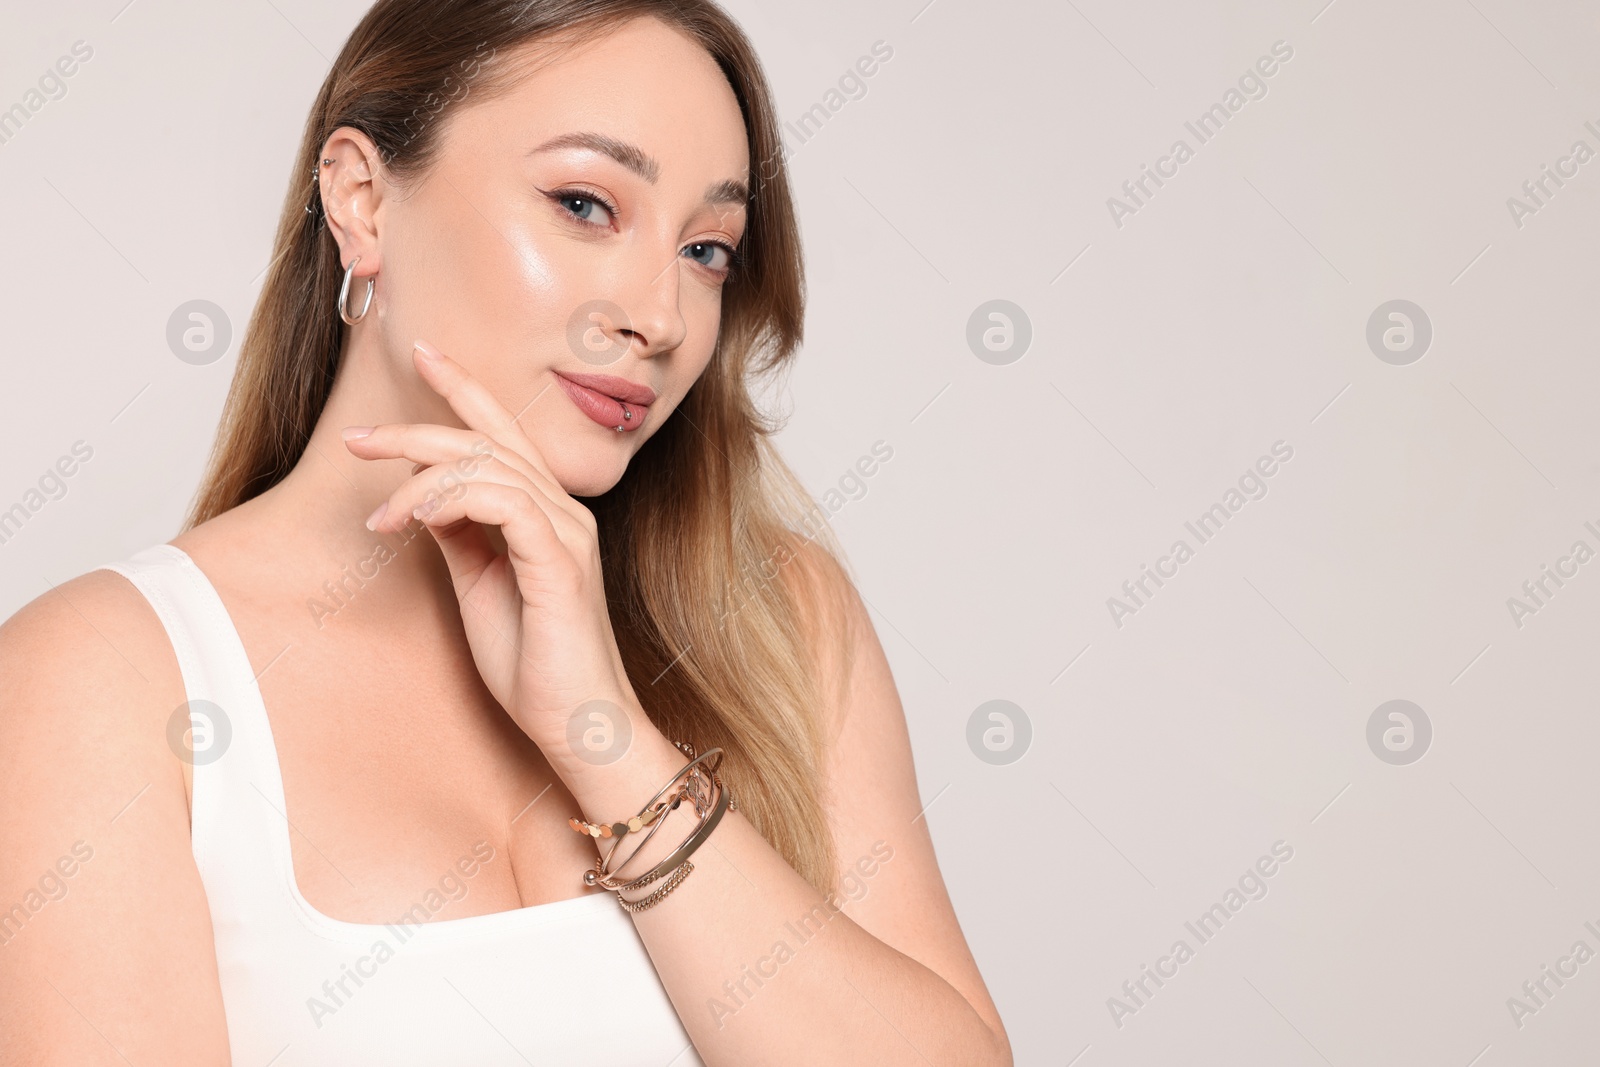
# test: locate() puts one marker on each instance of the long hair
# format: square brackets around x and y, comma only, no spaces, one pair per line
[721,571]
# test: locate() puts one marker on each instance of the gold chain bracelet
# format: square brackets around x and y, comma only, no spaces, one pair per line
[678,874]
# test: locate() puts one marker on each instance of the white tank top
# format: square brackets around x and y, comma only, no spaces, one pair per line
[561,983]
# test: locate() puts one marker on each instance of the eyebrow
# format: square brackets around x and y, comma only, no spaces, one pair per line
[728,191]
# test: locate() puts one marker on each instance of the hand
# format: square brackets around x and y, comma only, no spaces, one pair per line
[536,616]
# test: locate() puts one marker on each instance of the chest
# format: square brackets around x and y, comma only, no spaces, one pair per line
[407,789]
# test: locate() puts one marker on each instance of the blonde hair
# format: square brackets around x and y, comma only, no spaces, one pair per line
[724,647]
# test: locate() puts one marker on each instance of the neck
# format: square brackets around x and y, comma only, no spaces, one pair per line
[315,517]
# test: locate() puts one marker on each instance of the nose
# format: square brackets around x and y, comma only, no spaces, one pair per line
[648,297]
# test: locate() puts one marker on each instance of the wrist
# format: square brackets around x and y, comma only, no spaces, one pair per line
[646,810]
[613,767]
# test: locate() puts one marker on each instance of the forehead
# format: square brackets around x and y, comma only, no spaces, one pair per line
[644,84]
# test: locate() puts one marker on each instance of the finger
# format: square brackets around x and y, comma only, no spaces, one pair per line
[423,492]
[477,407]
[429,444]
[467,550]
[451,448]
[464,543]
[527,527]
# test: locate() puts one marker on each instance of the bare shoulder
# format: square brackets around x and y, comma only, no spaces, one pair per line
[99,891]
[92,622]
[92,655]
[890,884]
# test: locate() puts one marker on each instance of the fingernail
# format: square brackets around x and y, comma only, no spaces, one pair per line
[351,433]
[427,350]
[372,520]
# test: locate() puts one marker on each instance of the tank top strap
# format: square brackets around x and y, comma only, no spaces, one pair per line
[237,806]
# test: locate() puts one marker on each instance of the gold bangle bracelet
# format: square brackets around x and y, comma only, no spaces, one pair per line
[693,788]
[682,852]
[616,881]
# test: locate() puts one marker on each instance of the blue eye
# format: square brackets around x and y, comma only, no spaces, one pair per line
[730,255]
[586,203]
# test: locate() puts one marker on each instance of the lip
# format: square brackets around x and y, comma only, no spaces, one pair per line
[614,387]
[612,412]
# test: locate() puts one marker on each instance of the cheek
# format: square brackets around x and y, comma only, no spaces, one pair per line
[526,267]
[511,278]
[704,325]
[519,293]
[479,278]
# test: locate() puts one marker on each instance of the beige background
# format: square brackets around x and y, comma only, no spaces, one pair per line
[1168,354]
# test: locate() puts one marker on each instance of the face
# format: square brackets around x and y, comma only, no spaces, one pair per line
[569,246]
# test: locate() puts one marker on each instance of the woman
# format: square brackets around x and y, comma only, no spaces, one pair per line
[531,255]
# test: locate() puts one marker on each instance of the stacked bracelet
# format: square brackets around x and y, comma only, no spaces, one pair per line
[617,829]
[655,898]
[676,866]
[693,789]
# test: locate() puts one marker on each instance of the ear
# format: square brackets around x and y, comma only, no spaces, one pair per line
[352,188]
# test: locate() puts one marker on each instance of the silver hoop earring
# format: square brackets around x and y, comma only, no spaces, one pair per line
[344,295]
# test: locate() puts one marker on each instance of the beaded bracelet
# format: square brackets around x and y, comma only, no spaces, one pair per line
[617,829]
[646,816]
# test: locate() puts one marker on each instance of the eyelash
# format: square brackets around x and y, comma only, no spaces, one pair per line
[580,193]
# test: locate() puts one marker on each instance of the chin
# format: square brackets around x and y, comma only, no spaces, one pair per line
[587,475]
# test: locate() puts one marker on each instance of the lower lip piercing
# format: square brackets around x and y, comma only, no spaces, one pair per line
[611,412]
